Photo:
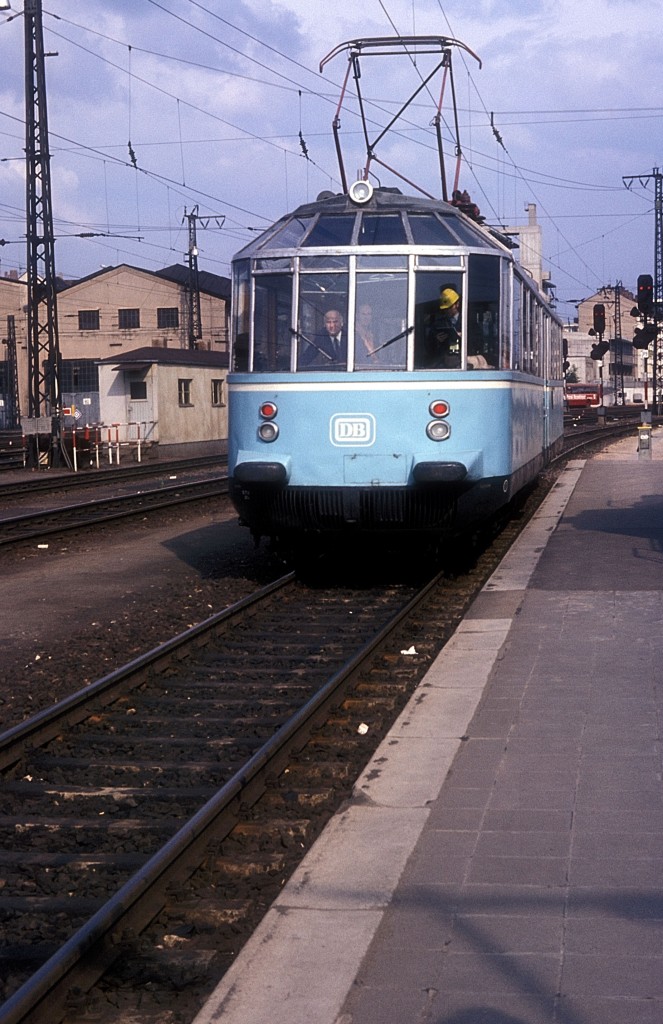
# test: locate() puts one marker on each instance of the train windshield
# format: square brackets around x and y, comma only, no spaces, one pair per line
[384,288]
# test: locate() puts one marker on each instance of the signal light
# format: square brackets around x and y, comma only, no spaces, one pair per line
[599,318]
[645,293]
[599,349]
[439,408]
[644,336]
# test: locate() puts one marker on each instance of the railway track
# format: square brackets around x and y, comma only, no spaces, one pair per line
[112,799]
[24,526]
[49,481]
[191,743]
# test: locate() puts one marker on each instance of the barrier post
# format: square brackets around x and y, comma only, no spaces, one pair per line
[644,441]
[73,446]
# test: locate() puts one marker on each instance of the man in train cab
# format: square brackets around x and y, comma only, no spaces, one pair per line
[329,349]
[444,335]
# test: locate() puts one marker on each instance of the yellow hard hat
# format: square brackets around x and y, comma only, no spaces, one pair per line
[448,298]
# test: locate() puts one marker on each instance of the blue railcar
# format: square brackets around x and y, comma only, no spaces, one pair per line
[374,439]
[395,373]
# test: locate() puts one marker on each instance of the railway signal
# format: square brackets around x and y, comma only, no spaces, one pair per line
[644,336]
[566,366]
[646,294]
[600,347]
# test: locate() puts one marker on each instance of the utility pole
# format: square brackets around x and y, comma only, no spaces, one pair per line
[13,414]
[619,347]
[195,326]
[644,179]
[195,331]
[43,345]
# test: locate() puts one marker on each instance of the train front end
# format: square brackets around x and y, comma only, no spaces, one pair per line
[377,389]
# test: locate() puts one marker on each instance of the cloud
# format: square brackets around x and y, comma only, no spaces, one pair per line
[220,105]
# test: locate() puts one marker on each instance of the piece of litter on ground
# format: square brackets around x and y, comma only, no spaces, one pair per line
[410,650]
[362,729]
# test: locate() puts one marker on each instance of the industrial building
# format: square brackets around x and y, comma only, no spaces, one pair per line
[113,317]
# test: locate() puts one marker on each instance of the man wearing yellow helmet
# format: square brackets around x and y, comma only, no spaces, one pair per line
[444,339]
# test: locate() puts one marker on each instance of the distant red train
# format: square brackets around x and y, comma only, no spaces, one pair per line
[582,396]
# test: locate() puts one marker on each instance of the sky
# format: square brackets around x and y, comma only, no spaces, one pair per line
[159,109]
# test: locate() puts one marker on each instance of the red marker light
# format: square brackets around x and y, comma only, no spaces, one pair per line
[268,410]
[439,408]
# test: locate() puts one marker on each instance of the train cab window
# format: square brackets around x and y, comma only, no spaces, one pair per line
[382,229]
[427,229]
[437,331]
[272,320]
[483,313]
[331,231]
[381,322]
[322,322]
[288,235]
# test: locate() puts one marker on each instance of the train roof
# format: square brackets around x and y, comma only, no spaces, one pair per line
[337,220]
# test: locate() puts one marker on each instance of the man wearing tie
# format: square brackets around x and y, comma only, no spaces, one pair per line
[329,350]
[335,342]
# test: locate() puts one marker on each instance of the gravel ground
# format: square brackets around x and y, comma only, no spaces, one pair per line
[82,606]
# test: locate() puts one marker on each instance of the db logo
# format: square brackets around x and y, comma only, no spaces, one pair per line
[356,429]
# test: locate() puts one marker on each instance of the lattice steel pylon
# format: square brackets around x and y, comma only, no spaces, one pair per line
[43,346]
[13,397]
[195,326]
[619,347]
[658,270]
[643,180]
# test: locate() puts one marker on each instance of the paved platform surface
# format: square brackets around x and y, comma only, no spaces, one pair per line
[502,859]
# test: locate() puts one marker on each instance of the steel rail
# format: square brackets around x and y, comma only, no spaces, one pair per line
[56,481]
[85,956]
[145,501]
[46,724]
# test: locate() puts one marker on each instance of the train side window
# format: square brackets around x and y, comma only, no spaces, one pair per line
[241,317]
[505,319]
[517,345]
[272,321]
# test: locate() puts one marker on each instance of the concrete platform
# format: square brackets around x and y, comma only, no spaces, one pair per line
[502,858]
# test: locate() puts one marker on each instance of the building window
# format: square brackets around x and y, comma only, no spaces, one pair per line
[138,390]
[128,319]
[168,317]
[79,375]
[88,319]
[217,392]
[184,391]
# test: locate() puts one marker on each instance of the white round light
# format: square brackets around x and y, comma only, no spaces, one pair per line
[268,431]
[438,430]
[360,191]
